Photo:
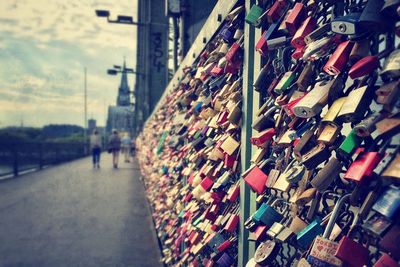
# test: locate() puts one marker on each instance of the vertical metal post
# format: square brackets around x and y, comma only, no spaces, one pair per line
[40,156]
[15,160]
[175,45]
[182,30]
[85,115]
[247,198]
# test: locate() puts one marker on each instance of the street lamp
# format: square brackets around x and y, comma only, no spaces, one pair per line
[121,19]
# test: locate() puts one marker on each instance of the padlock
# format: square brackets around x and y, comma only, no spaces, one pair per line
[277,42]
[262,46]
[265,121]
[295,18]
[329,133]
[253,15]
[390,241]
[305,197]
[392,171]
[355,105]
[351,252]
[263,78]
[233,53]
[225,260]
[327,175]
[305,144]
[387,128]
[285,82]
[338,60]
[388,95]
[306,236]
[297,225]
[266,252]
[263,137]
[365,163]
[307,27]
[318,33]
[266,215]
[320,48]
[276,11]
[391,66]
[368,125]
[389,202]
[366,65]
[371,17]
[323,250]
[386,261]
[256,179]
[348,24]
[349,144]
[312,104]
[306,76]
[316,156]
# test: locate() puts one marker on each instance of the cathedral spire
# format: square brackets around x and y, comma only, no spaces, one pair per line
[123,91]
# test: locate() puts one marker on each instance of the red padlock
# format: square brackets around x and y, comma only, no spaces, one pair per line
[352,253]
[262,46]
[294,19]
[276,11]
[234,51]
[298,53]
[308,26]
[225,245]
[233,193]
[363,166]
[338,60]
[364,66]
[386,261]
[229,161]
[207,183]
[256,179]
[232,223]
[263,137]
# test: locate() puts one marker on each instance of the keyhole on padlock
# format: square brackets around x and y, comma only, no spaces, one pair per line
[342,27]
[304,112]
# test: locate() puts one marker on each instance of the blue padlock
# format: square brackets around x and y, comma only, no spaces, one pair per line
[266,215]
[306,236]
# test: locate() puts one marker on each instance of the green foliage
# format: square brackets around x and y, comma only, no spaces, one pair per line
[50,133]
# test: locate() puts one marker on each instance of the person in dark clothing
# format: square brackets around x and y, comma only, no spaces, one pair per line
[114,146]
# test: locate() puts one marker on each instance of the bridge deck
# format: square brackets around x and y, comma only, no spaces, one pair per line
[73,215]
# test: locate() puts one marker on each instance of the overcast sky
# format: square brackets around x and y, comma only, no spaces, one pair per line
[44,47]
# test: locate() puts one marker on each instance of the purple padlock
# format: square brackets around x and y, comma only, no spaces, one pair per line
[225,260]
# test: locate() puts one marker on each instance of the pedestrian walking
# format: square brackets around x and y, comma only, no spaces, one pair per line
[95,145]
[126,146]
[114,147]
[133,147]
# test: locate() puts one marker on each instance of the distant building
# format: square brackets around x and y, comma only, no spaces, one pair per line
[91,125]
[121,116]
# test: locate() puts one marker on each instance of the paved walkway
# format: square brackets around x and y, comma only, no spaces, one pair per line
[72,215]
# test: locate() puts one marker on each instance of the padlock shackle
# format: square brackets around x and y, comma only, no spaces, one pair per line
[335,214]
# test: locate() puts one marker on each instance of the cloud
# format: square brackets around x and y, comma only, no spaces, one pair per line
[45,46]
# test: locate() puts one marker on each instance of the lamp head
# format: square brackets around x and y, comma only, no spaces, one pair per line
[112,72]
[103,13]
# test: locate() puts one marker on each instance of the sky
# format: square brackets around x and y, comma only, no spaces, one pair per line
[45,46]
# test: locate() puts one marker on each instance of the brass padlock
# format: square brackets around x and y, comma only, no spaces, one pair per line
[312,103]
[330,131]
[355,105]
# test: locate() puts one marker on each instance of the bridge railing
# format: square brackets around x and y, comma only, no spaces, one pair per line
[18,157]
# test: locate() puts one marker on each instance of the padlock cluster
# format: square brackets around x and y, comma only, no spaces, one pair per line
[325,141]
[189,154]
[326,136]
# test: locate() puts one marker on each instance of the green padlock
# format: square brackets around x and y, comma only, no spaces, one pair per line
[197,134]
[285,82]
[350,144]
[253,15]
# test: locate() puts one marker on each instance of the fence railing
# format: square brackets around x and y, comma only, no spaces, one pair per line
[17,157]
